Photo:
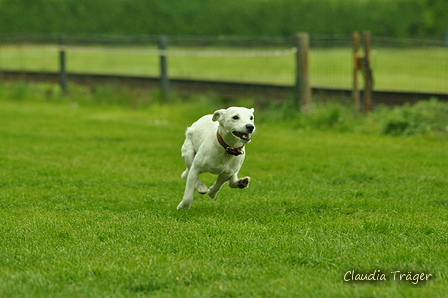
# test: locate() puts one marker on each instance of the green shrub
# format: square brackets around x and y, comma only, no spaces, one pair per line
[424,117]
[320,116]
[398,18]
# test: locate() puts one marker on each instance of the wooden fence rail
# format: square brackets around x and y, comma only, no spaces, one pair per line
[225,89]
[301,91]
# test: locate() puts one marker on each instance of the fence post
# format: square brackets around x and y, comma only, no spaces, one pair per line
[164,82]
[356,67]
[368,80]
[303,90]
[62,68]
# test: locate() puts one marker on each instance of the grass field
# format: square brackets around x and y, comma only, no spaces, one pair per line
[88,197]
[419,69]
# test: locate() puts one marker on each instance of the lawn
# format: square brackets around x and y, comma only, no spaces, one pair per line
[88,197]
[414,69]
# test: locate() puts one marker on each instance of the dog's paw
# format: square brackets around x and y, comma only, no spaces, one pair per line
[182,205]
[212,195]
[243,182]
[202,188]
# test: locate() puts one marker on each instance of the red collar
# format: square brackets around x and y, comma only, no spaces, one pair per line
[229,150]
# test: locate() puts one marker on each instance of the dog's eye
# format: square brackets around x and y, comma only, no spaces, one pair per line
[235,117]
[251,117]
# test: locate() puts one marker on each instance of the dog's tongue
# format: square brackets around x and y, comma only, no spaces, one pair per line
[242,135]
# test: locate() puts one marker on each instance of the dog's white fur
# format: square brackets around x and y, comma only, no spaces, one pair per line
[203,153]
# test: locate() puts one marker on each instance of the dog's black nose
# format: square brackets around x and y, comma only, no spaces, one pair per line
[250,128]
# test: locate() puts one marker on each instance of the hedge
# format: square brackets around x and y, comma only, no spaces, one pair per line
[393,18]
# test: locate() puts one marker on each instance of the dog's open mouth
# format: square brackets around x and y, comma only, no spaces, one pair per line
[245,137]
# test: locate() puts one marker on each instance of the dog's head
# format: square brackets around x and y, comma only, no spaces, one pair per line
[238,121]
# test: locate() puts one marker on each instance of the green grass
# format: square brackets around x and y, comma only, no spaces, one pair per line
[422,69]
[88,197]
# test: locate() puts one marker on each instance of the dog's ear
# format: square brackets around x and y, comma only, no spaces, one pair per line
[217,114]
[252,110]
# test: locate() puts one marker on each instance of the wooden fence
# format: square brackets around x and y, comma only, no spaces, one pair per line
[301,90]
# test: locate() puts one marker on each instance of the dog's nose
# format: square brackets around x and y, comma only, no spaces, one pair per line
[250,128]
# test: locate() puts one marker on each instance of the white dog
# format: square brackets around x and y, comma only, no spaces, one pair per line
[215,144]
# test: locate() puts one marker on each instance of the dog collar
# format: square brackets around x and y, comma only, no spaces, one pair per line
[229,150]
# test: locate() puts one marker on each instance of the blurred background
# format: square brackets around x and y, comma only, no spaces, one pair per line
[232,41]
[391,18]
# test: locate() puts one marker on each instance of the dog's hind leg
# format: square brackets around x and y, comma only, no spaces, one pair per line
[201,187]
[188,154]
[185,173]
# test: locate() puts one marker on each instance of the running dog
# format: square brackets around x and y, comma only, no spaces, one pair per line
[215,144]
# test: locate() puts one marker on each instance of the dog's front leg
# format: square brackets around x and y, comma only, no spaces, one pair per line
[213,191]
[239,183]
[192,178]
